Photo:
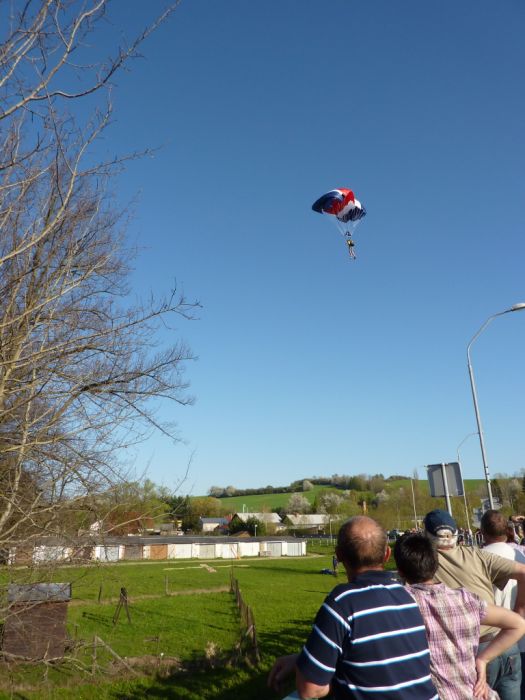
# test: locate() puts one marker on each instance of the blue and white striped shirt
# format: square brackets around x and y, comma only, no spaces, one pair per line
[369,641]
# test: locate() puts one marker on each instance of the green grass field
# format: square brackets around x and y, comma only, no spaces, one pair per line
[284,595]
[179,609]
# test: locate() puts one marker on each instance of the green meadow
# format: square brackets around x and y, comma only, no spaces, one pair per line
[197,619]
[184,625]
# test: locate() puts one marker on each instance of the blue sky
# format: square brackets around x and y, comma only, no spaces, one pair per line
[309,363]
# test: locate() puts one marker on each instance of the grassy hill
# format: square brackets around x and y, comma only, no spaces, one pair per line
[270,501]
[259,503]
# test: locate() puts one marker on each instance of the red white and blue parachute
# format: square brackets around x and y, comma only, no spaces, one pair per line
[342,204]
[345,211]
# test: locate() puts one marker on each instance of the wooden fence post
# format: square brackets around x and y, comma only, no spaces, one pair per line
[248,631]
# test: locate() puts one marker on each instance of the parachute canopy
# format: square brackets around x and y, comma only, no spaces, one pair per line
[340,203]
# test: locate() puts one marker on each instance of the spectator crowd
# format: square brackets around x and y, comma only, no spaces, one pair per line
[448,624]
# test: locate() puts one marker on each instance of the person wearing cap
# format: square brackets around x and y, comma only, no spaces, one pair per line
[368,639]
[494,526]
[479,571]
[452,620]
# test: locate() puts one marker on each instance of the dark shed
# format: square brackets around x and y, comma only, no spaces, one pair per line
[35,625]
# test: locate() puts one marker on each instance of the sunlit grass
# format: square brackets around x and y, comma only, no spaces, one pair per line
[283,593]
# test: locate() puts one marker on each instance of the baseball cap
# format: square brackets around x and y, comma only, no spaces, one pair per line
[438,520]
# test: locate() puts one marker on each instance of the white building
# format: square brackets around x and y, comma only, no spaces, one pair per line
[313,523]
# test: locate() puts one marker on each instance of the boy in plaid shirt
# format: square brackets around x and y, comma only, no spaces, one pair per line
[452,620]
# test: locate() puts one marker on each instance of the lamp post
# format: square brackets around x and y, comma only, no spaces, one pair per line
[414,503]
[516,307]
[463,480]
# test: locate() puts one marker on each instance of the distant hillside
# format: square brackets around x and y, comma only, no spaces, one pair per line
[268,502]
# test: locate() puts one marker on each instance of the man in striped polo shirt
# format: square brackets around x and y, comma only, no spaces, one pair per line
[368,640]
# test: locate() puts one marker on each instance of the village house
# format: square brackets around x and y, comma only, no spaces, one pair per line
[271,520]
[312,523]
[216,525]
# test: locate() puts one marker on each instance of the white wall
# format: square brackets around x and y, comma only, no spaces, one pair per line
[228,550]
[111,552]
[179,551]
[249,549]
[46,553]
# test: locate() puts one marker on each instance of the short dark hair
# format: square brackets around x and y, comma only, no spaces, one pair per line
[416,557]
[494,523]
[362,543]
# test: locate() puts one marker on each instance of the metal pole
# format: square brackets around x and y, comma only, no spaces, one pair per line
[480,429]
[515,307]
[463,480]
[414,502]
[465,500]
[445,486]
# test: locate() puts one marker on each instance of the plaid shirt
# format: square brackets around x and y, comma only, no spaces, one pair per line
[452,620]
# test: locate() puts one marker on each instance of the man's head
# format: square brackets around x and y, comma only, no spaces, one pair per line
[494,526]
[416,557]
[441,528]
[362,544]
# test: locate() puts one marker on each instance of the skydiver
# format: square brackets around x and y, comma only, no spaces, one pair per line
[351,244]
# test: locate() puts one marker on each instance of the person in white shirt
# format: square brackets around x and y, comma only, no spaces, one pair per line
[494,526]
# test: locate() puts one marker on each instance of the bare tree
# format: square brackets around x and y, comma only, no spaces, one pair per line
[81,370]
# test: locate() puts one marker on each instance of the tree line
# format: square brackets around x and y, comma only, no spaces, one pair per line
[359,482]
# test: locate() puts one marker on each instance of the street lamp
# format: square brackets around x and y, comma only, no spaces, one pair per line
[463,480]
[516,307]
[414,503]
